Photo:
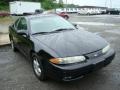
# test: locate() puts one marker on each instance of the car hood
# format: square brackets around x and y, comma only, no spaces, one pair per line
[71,43]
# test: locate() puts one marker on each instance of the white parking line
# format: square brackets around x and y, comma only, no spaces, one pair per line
[97,33]
[114,31]
[94,23]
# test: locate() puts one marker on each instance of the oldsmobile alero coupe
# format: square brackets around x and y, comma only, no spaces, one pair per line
[57,48]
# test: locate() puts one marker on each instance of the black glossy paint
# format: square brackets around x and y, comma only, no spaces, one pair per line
[71,43]
[60,44]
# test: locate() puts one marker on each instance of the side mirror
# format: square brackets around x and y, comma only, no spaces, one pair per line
[22,32]
[75,25]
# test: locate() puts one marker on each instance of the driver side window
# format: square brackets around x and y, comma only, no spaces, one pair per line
[22,25]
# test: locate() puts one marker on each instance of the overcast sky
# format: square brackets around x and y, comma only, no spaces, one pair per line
[115,3]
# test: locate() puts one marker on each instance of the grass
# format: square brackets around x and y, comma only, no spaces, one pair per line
[6,20]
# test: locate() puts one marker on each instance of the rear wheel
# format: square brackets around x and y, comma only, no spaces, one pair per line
[38,68]
[13,46]
[66,17]
[88,13]
[79,14]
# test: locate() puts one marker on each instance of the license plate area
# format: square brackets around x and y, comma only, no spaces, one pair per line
[98,65]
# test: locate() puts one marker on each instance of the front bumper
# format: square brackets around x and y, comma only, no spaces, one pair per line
[76,71]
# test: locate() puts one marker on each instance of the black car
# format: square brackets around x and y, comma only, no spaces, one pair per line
[113,11]
[58,49]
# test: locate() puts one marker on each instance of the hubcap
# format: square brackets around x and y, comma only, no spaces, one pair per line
[66,18]
[36,66]
[12,45]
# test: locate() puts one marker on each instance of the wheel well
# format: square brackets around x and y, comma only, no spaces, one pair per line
[41,53]
[31,52]
[66,16]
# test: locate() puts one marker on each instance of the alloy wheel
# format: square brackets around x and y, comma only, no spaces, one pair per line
[36,66]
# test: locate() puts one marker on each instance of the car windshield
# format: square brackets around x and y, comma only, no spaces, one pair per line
[49,24]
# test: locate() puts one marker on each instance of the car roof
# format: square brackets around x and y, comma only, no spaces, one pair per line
[40,16]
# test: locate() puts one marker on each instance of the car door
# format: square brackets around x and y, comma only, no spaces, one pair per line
[23,40]
[13,32]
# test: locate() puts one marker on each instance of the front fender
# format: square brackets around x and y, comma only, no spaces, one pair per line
[42,49]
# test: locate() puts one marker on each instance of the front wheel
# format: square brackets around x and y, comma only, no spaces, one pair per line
[38,68]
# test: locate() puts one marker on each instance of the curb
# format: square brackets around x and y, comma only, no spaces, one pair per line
[4,39]
[3,45]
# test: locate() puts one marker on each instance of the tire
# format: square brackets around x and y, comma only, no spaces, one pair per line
[13,46]
[38,69]
[79,14]
[66,17]
[88,13]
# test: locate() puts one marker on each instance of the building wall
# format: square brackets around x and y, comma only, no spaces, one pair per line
[86,9]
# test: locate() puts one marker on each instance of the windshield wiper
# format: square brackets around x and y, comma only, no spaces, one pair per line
[63,29]
[40,33]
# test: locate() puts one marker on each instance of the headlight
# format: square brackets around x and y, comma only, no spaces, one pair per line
[68,60]
[106,49]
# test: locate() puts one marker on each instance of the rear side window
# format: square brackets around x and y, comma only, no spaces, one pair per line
[22,25]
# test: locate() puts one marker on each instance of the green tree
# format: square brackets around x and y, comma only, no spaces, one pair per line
[41,0]
[60,4]
[48,4]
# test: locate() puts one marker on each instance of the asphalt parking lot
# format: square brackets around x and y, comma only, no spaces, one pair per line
[16,71]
